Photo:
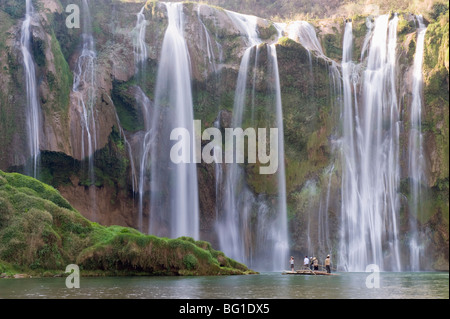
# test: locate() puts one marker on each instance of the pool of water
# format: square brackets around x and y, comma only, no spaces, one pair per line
[406,285]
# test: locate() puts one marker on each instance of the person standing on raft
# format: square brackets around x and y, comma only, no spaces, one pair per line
[327,264]
[292,263]
[316,263]
[306,262]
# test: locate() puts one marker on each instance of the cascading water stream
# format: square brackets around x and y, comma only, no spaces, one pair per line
[140,47]
[416,155]
[279,229]
[324,242]
[84,89]
[211,56]
[123,136]
[263,244]
[174,187]
[33,111]
[232,229]
[370,154]
[348,148]
[218,169]
[140,59]
[149,138]
[392,200]
[304,33]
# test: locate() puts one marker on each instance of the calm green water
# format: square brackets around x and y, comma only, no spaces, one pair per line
[266,285]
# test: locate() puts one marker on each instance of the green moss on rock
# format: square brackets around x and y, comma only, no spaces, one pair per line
[41,232]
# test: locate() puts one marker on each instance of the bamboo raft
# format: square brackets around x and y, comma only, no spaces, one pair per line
[308,272]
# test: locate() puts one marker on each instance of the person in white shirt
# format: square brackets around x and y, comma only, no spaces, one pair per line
[306,262]
[292,263]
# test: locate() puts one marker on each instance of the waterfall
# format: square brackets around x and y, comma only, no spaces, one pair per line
[348,149]
[123,136]
[416,155]
[209,45]
[140,47]
[218,169]
[323,232]
[251,231]
[304,33]
[279,229]
[149,138]
[174,191]
[370,153]
[33,111]
[140,59]
[233,229]
[84,88]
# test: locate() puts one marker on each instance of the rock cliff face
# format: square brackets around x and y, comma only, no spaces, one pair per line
[310,97]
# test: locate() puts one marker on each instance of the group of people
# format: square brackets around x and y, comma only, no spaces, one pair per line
[312,263]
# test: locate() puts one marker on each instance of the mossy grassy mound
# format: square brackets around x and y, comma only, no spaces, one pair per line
[41,233]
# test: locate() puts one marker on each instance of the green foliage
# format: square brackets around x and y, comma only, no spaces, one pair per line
[44,191]
[57,168]
[405,26]
[130,116]
[16,9]
[439,9]
[267,32]
[190,262]
[40,233]
[61,82]
[111,162]
[332,45]
[436,92]
[68,39]
[38,47]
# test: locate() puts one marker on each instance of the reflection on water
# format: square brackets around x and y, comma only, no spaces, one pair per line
[265,285]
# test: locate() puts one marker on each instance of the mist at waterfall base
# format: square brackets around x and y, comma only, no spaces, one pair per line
[253,228]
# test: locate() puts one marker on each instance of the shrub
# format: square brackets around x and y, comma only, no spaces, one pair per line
[190,262]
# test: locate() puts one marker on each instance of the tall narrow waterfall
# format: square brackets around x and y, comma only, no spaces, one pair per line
[233,229]
[84,88]
[416,156]
[140,59]
[208,42]
[33,111]
[279,228]
[174,190]
[370,154]
[252,230]
[140,47]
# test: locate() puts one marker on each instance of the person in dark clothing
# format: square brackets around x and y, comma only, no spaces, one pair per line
[316,263]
